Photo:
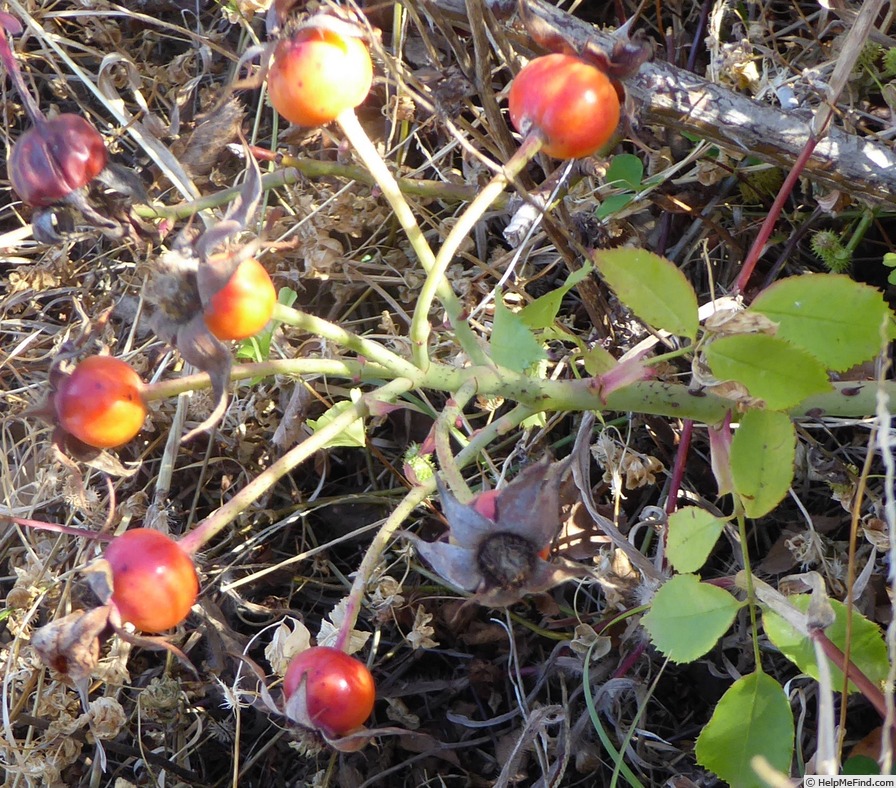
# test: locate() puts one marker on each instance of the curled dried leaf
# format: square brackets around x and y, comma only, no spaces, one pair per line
[71,645]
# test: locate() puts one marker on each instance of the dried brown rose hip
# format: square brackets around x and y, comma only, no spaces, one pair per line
[55,158]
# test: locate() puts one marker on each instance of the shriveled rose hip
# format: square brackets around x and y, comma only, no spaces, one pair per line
[55,158]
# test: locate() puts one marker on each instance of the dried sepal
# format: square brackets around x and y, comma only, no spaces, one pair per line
[67,447]
[152,643]
[185,280]
[627,56]
[497,541]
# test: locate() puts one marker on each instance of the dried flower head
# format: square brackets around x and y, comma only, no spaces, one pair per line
[185,280]
[498,542]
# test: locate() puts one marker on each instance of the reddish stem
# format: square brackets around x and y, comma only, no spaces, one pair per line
[39,525]
[681,457]
[867,687]
[12,25]
[629,661]
[768,225]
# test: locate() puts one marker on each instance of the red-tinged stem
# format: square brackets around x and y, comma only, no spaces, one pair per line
[868,688]
[771,219]
[681,457]
[40,525]
[630,660]
[11,24]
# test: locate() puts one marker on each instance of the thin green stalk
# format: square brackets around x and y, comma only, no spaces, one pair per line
[467,221]
[296,367]
[414,498]
[861,229]
[447,417]
[620,766]
[372,351]
[751,591]
[419,333]
[293,169]
[226,514]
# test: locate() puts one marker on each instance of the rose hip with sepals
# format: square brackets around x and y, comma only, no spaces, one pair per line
[338,690]
[501,540]
[55,157]
[244,305]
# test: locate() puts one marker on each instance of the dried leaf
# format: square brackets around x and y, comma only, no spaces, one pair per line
[330,627]
[291,637]
[71,645]
[420,635]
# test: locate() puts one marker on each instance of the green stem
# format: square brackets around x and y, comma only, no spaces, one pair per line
[464,226]
[848,399]
[226,514]
[447,463]
[419,333]
[293,171]
[355,371]
[751,591]
[404,509]
[861,228]
[372,351]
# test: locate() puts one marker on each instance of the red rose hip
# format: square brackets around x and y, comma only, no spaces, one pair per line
[317,74]
[154,582]
[339,690]
[244,305]
[100,403]
[572,104]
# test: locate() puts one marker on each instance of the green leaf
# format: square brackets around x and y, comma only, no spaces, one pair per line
[773,370]
[652,287]
[752,718]
[598,361]
[868,651]
[762,453]
[687,617]
[833,317]
[625,169]
[860,764]
[543,310]
[692,534]
[353,436]
[513,344]
[614,204]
